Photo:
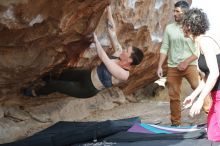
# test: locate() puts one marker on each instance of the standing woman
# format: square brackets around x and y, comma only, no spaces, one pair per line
[195,25]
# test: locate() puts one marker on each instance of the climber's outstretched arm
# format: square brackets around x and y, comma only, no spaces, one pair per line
[112,33]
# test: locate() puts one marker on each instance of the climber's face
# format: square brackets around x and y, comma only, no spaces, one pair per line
[126,54]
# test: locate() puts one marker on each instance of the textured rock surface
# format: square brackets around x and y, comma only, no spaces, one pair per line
[23,117]
[40,36]
[37,37]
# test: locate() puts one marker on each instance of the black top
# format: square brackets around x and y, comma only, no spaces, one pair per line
[104,75]
[204,68]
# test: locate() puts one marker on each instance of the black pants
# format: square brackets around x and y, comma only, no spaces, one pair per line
[73,82]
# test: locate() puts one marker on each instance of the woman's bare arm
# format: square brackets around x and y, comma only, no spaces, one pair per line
[118,72]
[211,61]
[112,32]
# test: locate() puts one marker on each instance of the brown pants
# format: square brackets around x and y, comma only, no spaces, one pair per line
[174,80]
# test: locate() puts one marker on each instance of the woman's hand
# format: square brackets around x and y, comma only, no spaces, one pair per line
[96,41]
[188,102]
[95,37]
[196,108]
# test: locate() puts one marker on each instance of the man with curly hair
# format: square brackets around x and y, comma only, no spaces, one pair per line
[195,25]
[182,60]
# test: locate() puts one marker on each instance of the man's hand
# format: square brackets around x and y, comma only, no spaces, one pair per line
[182,65]
[160,72]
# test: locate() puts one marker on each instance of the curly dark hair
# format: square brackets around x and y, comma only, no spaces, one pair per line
[196,21]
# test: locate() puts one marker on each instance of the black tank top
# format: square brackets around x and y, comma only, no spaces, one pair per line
[203,67]
[104,75]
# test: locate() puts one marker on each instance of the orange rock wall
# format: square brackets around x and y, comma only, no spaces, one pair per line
[40,36]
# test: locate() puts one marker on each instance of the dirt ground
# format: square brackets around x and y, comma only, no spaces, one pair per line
[154,110]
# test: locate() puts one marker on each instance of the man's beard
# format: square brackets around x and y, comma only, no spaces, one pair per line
[178,20]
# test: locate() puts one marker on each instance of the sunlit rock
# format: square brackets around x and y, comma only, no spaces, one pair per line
[37,37]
